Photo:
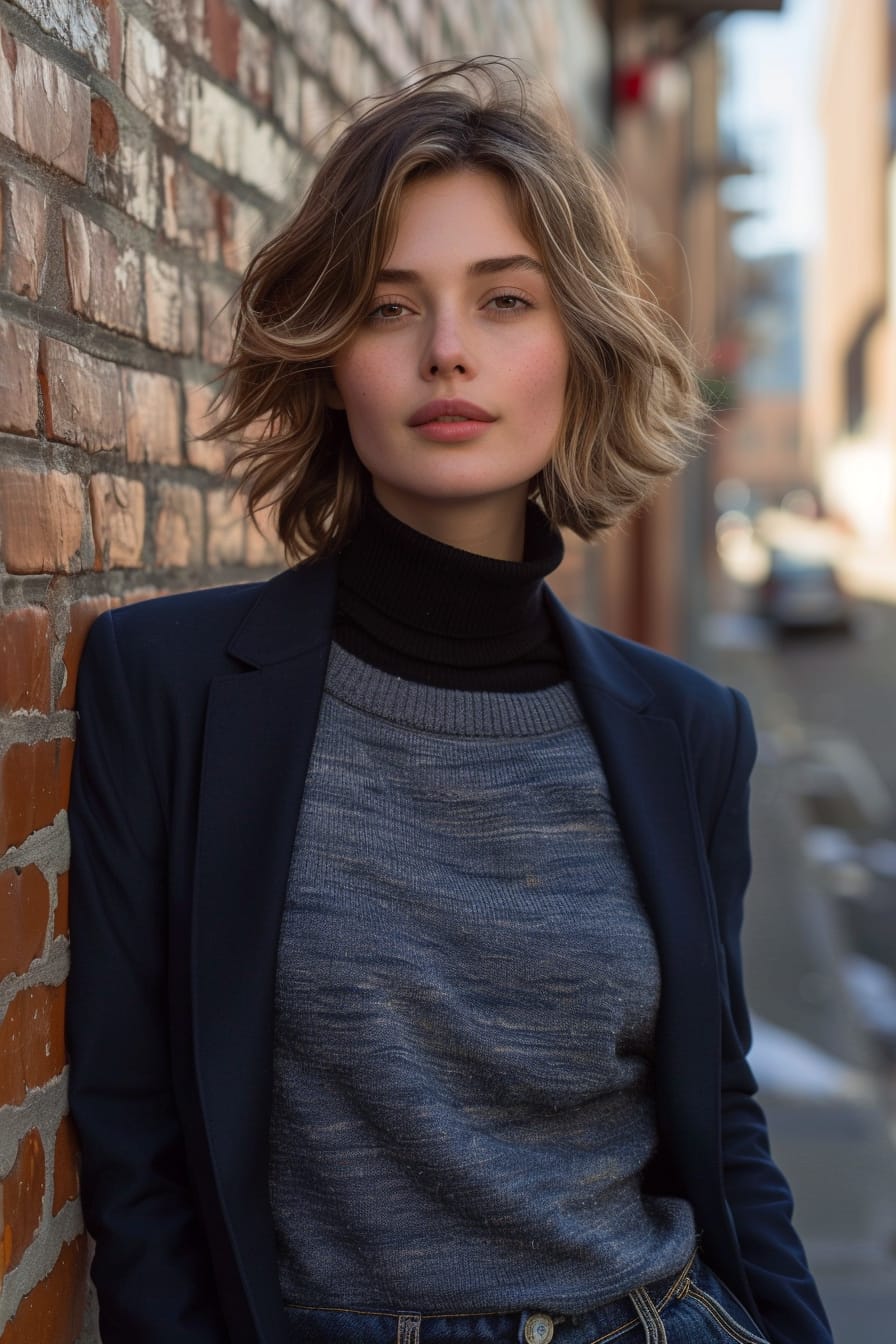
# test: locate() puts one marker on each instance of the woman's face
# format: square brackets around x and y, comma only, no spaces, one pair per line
[462,325]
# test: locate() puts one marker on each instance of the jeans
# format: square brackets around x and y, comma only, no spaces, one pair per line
[691,1307]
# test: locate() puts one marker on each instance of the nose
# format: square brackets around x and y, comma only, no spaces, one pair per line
[446,350]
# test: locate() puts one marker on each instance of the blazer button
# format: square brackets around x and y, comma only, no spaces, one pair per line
[539,1329]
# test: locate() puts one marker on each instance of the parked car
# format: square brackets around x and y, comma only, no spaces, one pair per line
[802,592]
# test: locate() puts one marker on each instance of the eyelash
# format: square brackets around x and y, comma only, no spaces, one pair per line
[376,317]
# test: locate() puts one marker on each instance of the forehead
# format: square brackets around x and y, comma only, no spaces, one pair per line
[466,214]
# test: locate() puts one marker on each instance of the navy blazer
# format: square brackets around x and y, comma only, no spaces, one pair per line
[197,718]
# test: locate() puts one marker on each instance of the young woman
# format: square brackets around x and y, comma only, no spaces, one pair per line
[406,1000]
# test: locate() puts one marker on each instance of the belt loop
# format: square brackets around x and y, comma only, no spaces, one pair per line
[654,1330]
[408,1330]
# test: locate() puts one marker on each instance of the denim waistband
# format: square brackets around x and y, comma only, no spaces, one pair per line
[332,1325]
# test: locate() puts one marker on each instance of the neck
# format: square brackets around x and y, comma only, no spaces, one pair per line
[494,526]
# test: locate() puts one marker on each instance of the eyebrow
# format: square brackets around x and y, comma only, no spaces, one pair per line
[489,266]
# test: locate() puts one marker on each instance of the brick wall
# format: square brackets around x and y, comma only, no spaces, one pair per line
[146,147]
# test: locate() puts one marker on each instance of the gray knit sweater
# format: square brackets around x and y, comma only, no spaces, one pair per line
[465,1003]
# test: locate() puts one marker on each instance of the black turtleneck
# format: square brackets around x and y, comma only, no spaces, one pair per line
[429,612]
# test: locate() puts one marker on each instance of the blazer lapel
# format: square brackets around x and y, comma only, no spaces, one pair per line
[650,783]
[259,733]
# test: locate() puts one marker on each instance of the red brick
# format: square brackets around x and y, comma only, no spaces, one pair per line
[103,128]
[32,1042]
[118,511]
[253,74]
[87,26]
[168,324]
[18,376]
[178,529]
[209,454]
[103,274]
[314,37]
[222,29]
[60,919]
[226,514]
[35,778]
[156,82]
[240,226]
[53,1312]
[189,215]
[24,914]
[21,1200]
[25,646]
[128,178]
[287,89]
[152,417]
[189,320]
[183,21]
[82,615]
[217,317]
[27,238]
[263,546]
[43,109]
[41,517]
[82,398]
[317,113]
[65,1164]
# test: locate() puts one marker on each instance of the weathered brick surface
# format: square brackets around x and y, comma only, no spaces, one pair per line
[254,59]
[156,82]
[127,176]
[90,27]
[32,1042]
[189,209]
[25,645]
[35,780]
[103,274]
[53,1312]
[241,231]
[41,517]
[210,454]
[152,417]
[82,397]
[21,1197]
[42,108]
[244,146]
[82,615]
[65,1169]
[118,513]
[18,377]
[27,239]
[178,530]
[263,546]
[24,913]
[226,528]
[170,314]
[217,321]
[60,919]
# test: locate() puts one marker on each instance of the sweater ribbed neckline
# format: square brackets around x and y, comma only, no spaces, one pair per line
[421,609]
[443,710]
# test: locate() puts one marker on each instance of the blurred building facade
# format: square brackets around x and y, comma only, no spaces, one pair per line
[849,414]
[667,152]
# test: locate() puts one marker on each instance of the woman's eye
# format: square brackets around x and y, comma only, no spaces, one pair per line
[509,303]
[387,312]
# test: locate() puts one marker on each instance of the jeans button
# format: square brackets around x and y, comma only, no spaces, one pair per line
[539,1329]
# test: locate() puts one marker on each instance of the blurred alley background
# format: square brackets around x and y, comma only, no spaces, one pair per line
[147,147]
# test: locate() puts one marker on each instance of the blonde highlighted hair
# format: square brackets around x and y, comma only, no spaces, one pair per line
[632,405]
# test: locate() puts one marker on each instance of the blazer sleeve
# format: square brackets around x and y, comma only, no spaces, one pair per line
[758,1195]
[151,1266]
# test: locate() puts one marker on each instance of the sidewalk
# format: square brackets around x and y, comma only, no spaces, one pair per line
[835,1144]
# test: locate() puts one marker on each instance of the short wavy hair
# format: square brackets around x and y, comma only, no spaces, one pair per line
[632,408]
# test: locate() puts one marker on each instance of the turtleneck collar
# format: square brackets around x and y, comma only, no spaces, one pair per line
[432,612]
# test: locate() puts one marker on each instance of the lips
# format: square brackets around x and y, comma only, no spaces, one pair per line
[467,410]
